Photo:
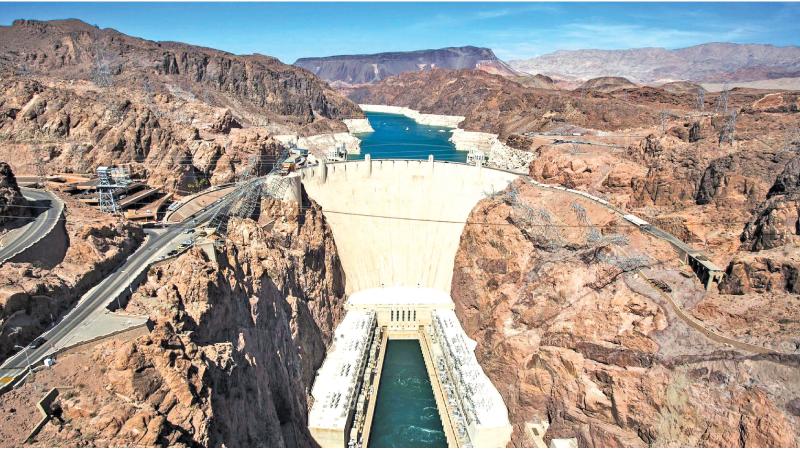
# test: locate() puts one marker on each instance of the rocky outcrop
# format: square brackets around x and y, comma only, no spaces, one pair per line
[69,131]
[576,341]
[12,202]
[606,84]
[777,220]
[761,273]
[235,346]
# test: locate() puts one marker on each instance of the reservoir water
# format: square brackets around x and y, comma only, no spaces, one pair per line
[399,137]
[405,410]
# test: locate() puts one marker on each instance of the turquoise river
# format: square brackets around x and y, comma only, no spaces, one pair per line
[405,411]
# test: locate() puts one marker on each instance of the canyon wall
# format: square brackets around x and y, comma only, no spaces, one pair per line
[235,345]
[573,336]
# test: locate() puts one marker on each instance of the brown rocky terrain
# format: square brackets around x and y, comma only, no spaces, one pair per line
[235,345]
[606,84]
[600,354]
[496,104]
[82,250]
[75,96]
[571,333]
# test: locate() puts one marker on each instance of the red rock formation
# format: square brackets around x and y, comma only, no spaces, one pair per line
[12,202]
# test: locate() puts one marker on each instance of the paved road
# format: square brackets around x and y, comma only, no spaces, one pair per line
[97,299]
[49,209]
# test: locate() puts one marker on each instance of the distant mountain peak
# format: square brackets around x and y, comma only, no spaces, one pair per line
[370,68]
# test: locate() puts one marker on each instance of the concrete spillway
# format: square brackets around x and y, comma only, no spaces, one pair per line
[399,222]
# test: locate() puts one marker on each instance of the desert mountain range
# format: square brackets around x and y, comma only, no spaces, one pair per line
[361,69]
[712,62]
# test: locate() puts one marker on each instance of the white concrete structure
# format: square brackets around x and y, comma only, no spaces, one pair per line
[356,126]
[481,417]
[400,308]
[435,120]
[399,222]
[338,381]
[498,154]
[319,144]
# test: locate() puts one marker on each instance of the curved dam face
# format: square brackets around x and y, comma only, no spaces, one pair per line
[398,223]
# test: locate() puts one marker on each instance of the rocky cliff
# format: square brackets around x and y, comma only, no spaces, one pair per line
[235,346]
[71,49]
[12,202]
[363,69]
[572,334]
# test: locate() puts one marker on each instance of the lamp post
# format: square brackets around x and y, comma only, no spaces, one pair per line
[27,357]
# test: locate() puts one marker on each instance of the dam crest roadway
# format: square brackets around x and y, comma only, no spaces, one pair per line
[397,225]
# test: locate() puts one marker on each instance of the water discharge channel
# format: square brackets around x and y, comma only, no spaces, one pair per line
[405,411]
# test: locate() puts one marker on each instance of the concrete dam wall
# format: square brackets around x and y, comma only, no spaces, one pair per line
[399,222]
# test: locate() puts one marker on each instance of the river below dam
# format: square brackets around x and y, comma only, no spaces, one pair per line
[399,137]
[405,411]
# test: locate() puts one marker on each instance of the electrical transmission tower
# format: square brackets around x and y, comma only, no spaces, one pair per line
[662,117]
[722,101]
[246,198]
[106,190]
[701,99]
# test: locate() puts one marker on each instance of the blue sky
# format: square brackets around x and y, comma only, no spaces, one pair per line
[514,30]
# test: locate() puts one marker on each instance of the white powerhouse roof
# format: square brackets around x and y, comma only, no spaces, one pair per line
[335,384]
[489,408]
[401,296]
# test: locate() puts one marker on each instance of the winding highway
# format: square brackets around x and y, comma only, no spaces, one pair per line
[49,208]
[96,300]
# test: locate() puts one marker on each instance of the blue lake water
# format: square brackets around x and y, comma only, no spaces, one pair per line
[398,137]
[405,411]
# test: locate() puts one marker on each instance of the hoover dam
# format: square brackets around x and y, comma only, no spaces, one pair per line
[397,224]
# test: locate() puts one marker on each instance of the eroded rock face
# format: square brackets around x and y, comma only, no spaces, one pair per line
[235,347]
[82,132]
[777,220]
[760,274]
[71,49]
[568,336]
[12,202]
